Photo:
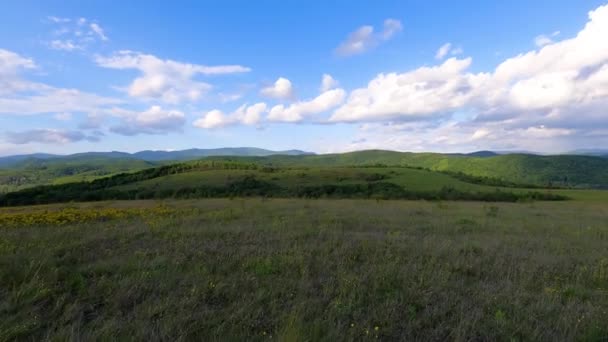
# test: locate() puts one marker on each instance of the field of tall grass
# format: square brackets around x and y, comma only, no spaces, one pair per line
[304,270]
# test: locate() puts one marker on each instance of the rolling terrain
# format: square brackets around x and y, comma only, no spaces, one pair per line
[24,171]
[34,171]
[374,173]
[560,170]
[226,178]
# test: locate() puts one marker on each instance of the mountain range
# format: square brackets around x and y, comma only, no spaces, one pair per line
[149,155]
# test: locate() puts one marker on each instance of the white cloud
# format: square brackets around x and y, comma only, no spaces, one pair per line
[443,51]
[98,31]
[480,133]
[11,63]
[447,49]
[422,92]
[248,115]
[551,99]
[74,34]
[48,99]
[165,80]
[569,76]
[543,39]
[328,82]
[281,89]
[155,120]
[253,114]
[301,109]
[58,20]
[19,96]
[457,51]
[364,38]
[391,27]
[66,45]
[213,119]
[48,136]
[230,97]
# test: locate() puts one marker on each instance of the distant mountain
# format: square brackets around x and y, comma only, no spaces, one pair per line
[480,154]
[502,153]
[194,153]
[23,171]
[12,160]
[591,152]
[201,153]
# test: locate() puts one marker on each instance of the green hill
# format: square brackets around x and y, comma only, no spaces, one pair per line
[225,178]
[562,170]
[571,171]
[24,171]
[34,171]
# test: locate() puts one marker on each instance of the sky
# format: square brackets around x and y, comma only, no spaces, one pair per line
[320,76]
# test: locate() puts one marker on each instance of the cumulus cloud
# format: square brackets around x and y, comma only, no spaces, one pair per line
[281,89]
[364,38]
[547,98]
[422,92]
[248,115]
[155,120]
[328,82]
[564,77]
[165,80]
[302,109]
[48,136]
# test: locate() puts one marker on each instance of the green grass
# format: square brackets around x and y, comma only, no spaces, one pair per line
[307,270]
[221,178]
[413,179]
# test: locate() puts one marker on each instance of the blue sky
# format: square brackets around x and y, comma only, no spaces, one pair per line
[321,76]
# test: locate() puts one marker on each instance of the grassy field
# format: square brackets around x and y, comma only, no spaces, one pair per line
[227,178]
[407,178]
[308,270]
[413,179]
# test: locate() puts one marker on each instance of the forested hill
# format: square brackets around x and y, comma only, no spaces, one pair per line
[574,171]
[559,170]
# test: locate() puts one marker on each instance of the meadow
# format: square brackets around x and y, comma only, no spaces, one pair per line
[305,270]
[228,178]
